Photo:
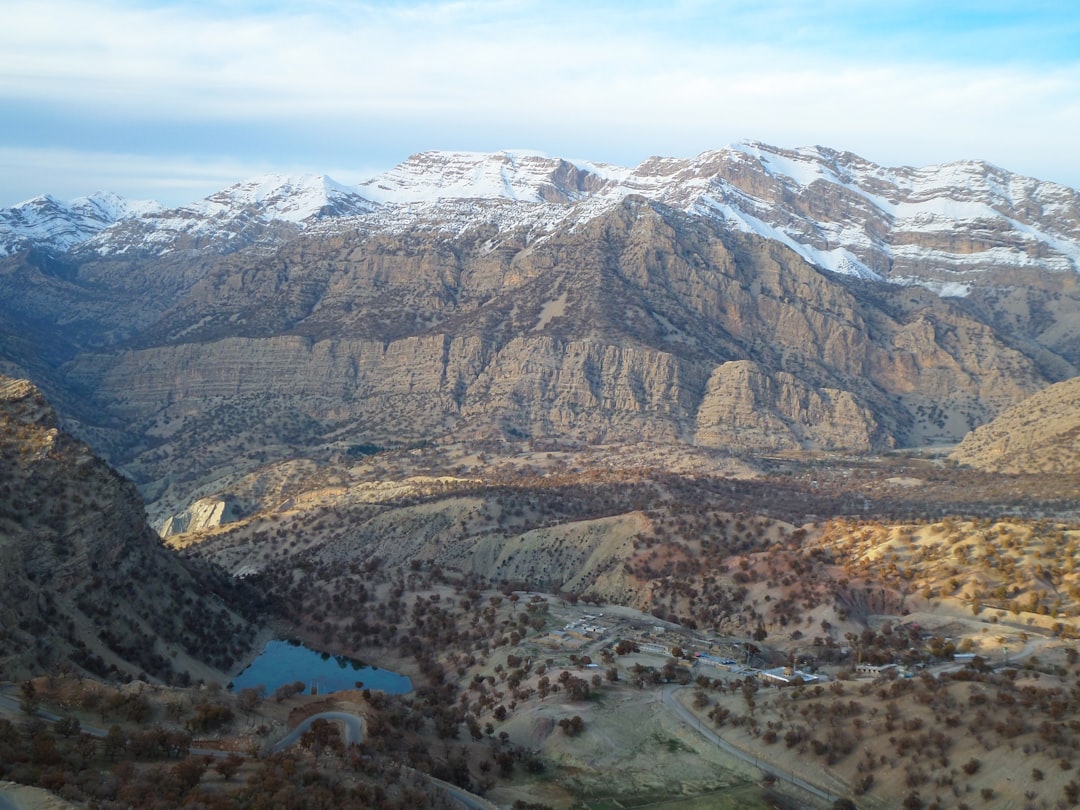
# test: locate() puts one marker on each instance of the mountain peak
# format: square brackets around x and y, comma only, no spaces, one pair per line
[292,198]
[265,208]
[520,175]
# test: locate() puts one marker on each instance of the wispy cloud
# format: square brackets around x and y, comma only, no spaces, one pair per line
[249,83]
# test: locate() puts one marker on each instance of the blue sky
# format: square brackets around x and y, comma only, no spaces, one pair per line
[174,99]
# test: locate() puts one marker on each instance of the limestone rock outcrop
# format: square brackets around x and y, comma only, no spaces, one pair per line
[205,513]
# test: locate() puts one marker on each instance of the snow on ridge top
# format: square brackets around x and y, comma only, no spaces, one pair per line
[103,206]
[519,175]
[261,187]
[808,163]
[803,165]
[115,207]
[949,189]
[285,197]
[61,224]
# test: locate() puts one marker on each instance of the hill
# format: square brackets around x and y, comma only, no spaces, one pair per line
[1039,434]
[87,584]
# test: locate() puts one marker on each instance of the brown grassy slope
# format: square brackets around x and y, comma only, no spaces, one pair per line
[1040,434]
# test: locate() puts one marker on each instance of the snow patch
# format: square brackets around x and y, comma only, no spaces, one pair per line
[838,260]
[943,289]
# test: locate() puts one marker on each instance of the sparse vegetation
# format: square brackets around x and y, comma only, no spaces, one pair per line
[465,582]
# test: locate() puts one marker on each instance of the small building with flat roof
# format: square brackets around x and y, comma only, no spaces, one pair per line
[786,676]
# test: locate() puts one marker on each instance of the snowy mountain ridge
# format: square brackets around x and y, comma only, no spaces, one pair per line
[48,222]
[835,209]
[264,209]
[940,227]
[514,175]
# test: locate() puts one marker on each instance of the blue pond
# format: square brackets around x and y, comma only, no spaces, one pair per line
[283,662]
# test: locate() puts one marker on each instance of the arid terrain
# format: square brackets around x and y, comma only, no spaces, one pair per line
[553,609]
[742,480]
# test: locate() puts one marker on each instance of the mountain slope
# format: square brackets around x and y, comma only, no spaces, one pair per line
[748,299]
[643,323]
[1041,433]
[85,580]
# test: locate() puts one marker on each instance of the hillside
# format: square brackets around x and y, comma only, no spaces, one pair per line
[1039,434]
[87,584]
[519,585]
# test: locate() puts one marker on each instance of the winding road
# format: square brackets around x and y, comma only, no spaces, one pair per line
[11,704]
[354,733]
[667,697]
[354,730]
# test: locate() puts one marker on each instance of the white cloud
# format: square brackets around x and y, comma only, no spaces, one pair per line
[612,83]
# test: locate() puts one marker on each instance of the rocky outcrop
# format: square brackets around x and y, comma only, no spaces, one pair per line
[205,513]
[745,409]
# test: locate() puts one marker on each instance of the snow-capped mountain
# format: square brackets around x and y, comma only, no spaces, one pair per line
[942,227]
[267,208]
[939,226]
[749,298]
[54,224]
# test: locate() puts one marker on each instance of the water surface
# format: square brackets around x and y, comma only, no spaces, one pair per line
[283,662]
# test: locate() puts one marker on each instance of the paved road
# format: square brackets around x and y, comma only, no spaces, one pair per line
[470,800]
[354,733]
[10,704]
[354,730]
[667,696]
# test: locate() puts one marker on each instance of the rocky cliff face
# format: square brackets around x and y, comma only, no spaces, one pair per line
[86,582]
[645,323]
[747,299]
